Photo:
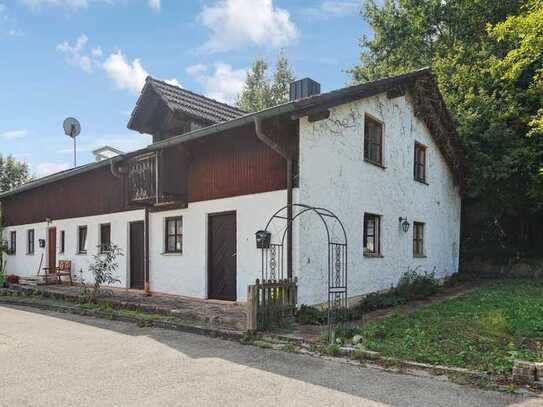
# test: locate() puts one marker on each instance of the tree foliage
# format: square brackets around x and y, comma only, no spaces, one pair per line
[260,92]
[12,173]
[487,58]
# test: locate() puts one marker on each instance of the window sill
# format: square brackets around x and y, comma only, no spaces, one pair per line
[419,256]
[30,254]
[420,181]
[377,164]
[171,253]
[81,254]
[375,256]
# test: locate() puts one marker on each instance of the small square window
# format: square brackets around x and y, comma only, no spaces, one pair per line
[174,235]
[30,241]
[419,168]
[82,240]
[373,140]
[418,239]
[372,235]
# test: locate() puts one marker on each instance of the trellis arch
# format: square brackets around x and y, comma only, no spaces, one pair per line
[273,259]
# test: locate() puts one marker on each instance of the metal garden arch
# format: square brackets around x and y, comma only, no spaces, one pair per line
[273,259]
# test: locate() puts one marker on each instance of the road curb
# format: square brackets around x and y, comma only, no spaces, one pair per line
[113,315]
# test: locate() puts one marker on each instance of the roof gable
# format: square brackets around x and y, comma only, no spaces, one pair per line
[179,102]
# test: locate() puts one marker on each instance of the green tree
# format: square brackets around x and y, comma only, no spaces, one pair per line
[485,59]
[256,92]
[259,92]
[12,173]
[282,79]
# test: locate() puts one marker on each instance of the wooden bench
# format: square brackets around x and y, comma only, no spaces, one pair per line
[64,268]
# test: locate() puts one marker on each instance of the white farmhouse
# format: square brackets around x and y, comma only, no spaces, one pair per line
[383,159]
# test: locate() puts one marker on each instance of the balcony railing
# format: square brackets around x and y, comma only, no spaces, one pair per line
[142,179]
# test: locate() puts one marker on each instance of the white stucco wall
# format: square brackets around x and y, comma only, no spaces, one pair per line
[180,274]
[27,265]
[186,273]
[334,175]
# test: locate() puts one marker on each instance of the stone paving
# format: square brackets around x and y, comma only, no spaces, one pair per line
[210,313]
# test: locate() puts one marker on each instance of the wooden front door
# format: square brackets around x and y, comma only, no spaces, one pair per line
[221,260]
[52,250]
[137,267]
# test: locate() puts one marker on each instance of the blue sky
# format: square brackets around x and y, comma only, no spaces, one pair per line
[89,58]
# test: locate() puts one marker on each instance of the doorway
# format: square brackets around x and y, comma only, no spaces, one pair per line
[137,269]
[52,250]
[221,261]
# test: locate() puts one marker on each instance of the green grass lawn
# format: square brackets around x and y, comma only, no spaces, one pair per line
[484,330]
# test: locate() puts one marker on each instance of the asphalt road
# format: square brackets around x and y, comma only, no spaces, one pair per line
[49,359]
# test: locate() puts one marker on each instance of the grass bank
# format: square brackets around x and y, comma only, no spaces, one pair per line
[486,329]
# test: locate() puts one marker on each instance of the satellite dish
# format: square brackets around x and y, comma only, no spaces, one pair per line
[72,128]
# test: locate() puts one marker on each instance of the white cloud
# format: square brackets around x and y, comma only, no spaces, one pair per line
[73,4]
[333,8]
[126,74]
[341,8]
[194,70]
[97,52]
[223,84]
[44,169]
[13,134]
[235,23]
[75,54]
[154,4]
[173,82]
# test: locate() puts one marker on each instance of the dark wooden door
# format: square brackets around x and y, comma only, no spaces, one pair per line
[222,256]
[137,268]
[52,250]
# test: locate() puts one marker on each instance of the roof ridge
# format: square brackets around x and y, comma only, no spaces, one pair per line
[196,94]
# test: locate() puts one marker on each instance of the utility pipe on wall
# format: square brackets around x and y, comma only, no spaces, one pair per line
[285,154]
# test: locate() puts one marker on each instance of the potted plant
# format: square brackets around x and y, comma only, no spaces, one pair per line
[12,279]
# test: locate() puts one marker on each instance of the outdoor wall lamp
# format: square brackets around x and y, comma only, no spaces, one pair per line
[404,224]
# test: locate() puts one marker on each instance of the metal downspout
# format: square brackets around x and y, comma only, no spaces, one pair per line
[279,150]
[146,286]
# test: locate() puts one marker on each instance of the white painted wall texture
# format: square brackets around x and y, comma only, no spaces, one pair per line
[186,273]
[181,274]
[27,265]
[334,175]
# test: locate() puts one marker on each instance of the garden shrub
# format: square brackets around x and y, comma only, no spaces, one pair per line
[411,286]
[346,331]
[414,286]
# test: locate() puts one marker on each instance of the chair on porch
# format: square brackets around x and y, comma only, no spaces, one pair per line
[64,268]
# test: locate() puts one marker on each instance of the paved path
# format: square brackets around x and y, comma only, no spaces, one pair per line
[51,359]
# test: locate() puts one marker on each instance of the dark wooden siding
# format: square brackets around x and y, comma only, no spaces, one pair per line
[228,164]
[92,193]
[238,163]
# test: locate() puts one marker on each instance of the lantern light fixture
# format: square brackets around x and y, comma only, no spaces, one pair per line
[404,224]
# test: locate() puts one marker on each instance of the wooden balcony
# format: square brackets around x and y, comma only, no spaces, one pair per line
[142,179]
[158,179]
